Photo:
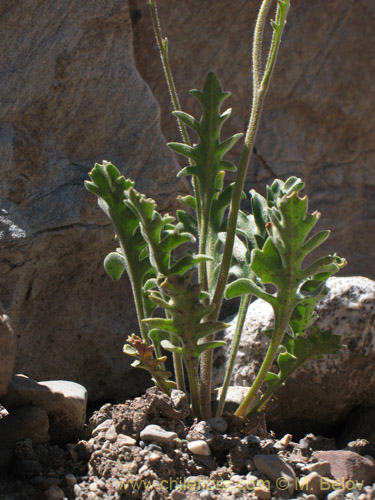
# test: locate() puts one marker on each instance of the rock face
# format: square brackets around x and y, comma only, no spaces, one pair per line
[71,95]
[7,353]
[319,395]
[74,93]
[318,121]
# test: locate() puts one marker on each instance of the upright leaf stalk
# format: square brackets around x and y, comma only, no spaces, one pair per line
[260,88]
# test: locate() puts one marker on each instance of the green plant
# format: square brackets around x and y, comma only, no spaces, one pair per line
[267,246]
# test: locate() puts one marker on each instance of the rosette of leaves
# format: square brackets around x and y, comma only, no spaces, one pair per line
[298,289]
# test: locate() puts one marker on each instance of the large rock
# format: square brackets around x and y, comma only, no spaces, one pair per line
[322,394]
[318,120]
[7,352]
[62,400]
[71,95]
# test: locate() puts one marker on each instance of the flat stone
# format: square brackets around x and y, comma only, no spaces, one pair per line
[322,468]
[64,402]
[177,495]
[158,434]
[124,440]
[103,427]
[199,447]
[275,469]
[348,465]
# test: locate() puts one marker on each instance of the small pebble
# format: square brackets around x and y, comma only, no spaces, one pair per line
[77,490]
[70,480]
[111,434]
[103,427]
[205,495]
[93,487]
[158,434]
[336,495]
[124,440]
[322,468]
[262,493]
[251,439]
[154,447]
[177,495]
[54,493]
[218,424]
[199,447]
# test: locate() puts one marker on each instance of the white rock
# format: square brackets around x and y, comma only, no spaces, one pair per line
[103,427]
[199,447]
[64,401]
[158,434]
[124,440]
[320,390]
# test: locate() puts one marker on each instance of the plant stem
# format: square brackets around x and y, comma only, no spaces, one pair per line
[191,364]
[163,49]
[135,284]
[260,88]
[283,312]
[178,371]
[245,301]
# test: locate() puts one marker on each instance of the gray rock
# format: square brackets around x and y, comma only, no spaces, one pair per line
[7,352]
[158,434]
[234,397]
[319,395]
[275,468]
[64,401]
[81,100]
[218,424]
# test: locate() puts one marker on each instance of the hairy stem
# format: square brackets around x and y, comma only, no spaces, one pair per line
[163,49]
[245,301]
[260,87]
[282,317]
